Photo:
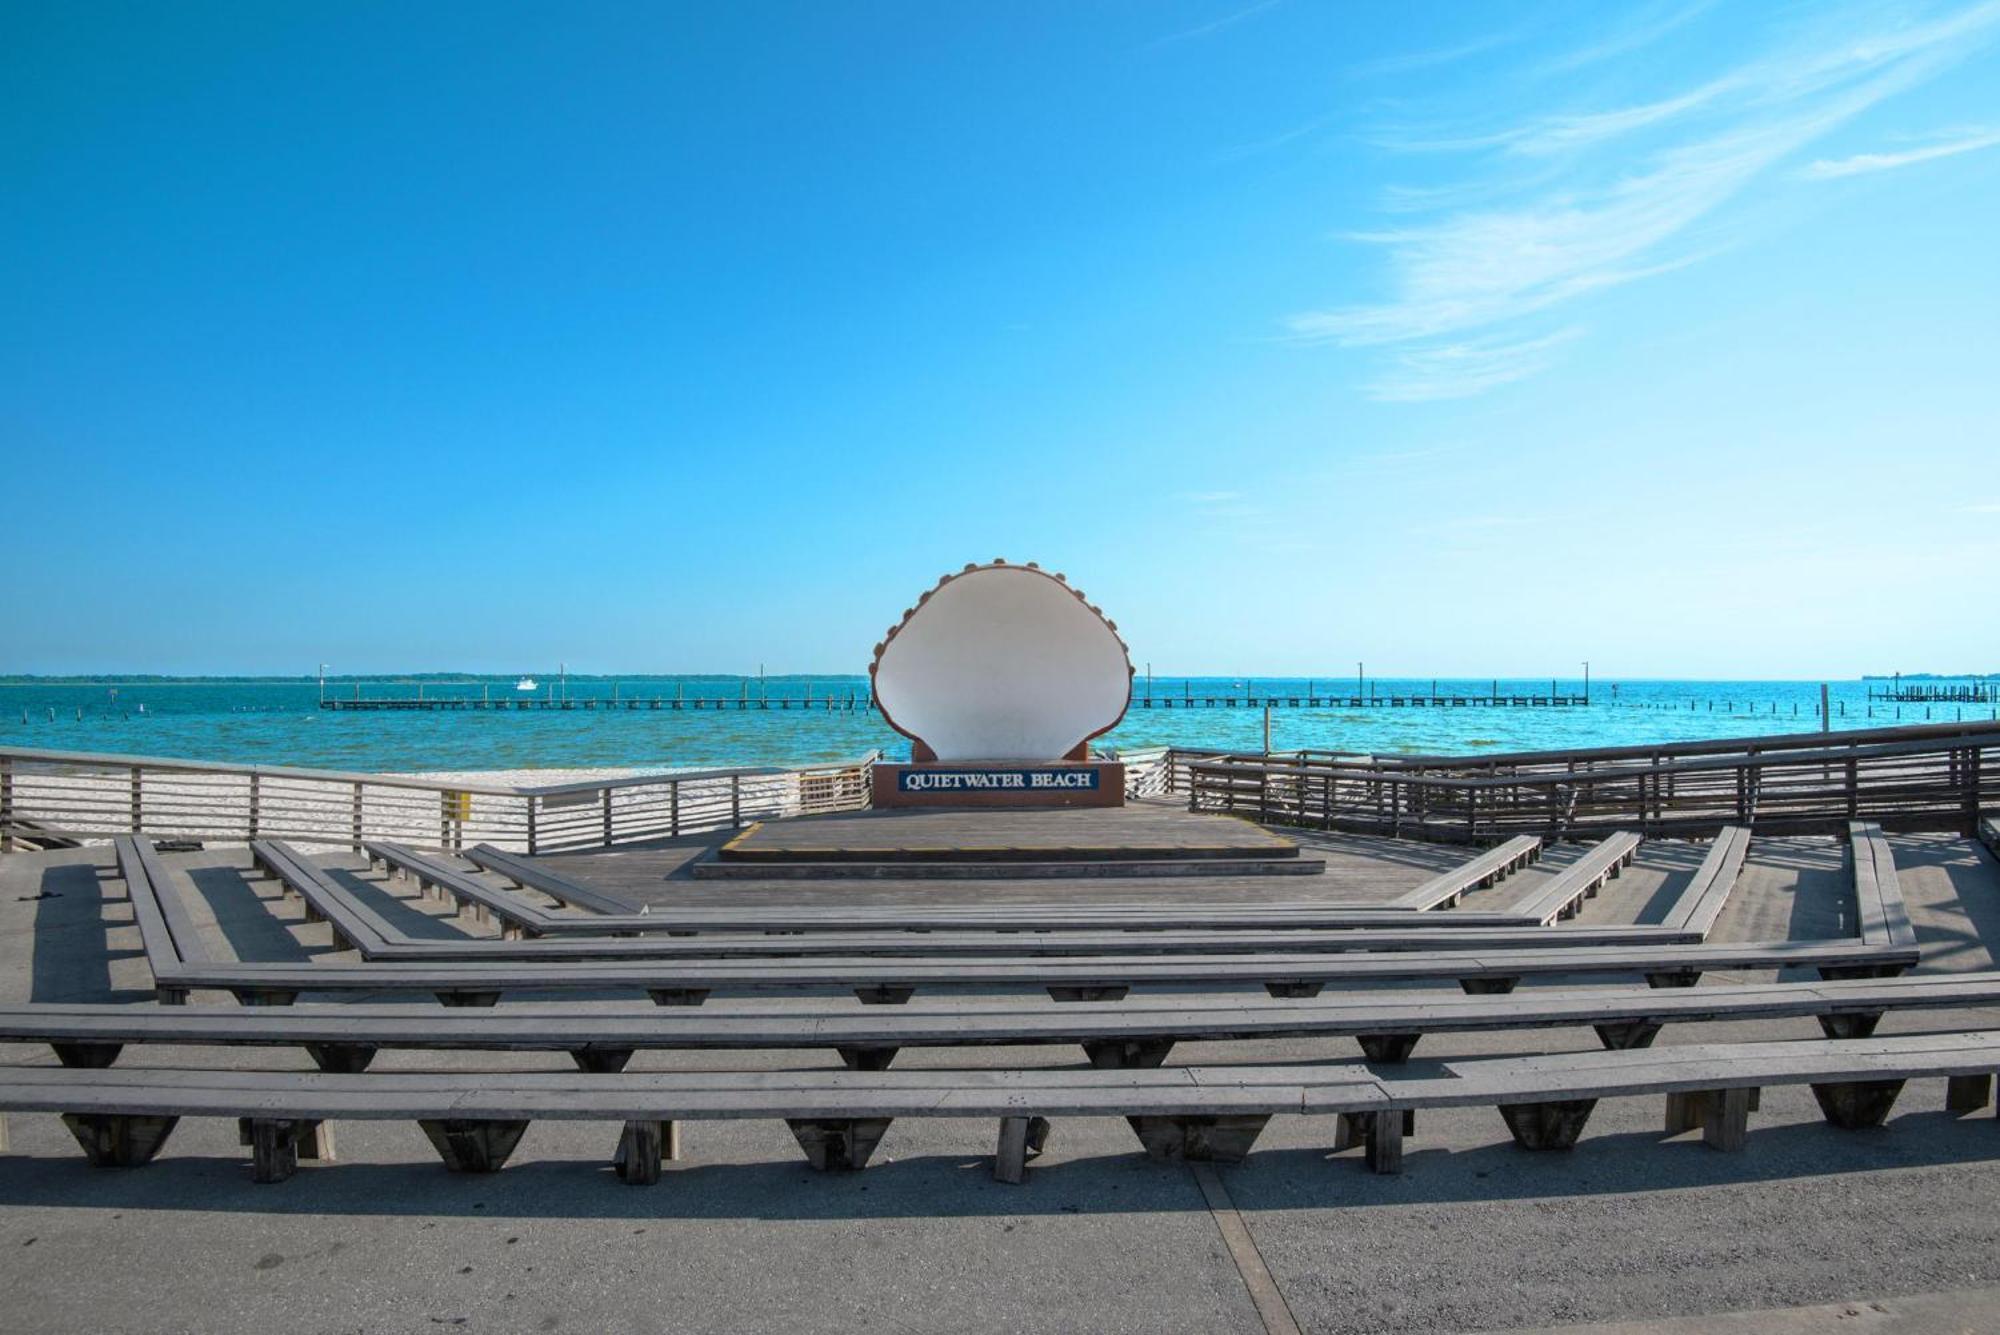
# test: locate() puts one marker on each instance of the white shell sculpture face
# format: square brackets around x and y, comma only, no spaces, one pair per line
[1002,662]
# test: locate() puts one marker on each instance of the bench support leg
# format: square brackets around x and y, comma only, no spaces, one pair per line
[1850,1024]
[468,998]
[1021,1139]
[1835,972]
[601,1061]
[1853,1105]
[867,1058]
[274,1149]
[677,996]
[1726,1119]
[1967,1093]
[1384,1148]
[641,1148]
[92,1056]
[342,1058]
[838,1143]
[1627,1034]
[473,1146]
[1288,990]
[1223,1139]
[1547,1126]
[116,1140]
[1387,1048]
[3,1133]
[171,996]
[1674,978]
[1487,987]
[265,996]
[1114,992]
[1128,1054]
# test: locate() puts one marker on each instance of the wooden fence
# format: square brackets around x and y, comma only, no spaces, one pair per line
[80,795]
[1934,778]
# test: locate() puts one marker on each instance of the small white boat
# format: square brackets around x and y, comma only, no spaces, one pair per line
[526,684]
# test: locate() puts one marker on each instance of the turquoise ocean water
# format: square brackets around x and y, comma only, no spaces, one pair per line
[278,721]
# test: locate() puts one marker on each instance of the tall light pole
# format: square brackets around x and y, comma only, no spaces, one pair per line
[322,683]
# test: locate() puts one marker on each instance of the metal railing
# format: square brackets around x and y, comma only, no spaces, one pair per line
[82,796]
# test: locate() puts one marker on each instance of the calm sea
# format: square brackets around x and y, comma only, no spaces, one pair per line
[278,721]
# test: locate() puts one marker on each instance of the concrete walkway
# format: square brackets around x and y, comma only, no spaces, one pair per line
[742,1236]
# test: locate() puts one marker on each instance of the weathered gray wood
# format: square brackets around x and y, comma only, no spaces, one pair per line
[347,1058]
[1384,1148]
[274,1150]
[1552,1125]
[1010,1158]
[119,1140]
[1878,892]
[838,1144]
[1219,1139]
[87,1055]
[642,1145]
[1968,1093]
[474,1145]
[1726,1118]
[1857,1104]
[1485,869]
[601,1061]
[538,876]
[1565,892]
[1387,1048]
[1708,890]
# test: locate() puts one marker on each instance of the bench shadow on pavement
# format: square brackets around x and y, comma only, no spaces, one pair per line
[71,960]
[248,922]
[959,1185]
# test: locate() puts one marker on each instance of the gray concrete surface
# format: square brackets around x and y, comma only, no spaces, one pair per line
[742,1236]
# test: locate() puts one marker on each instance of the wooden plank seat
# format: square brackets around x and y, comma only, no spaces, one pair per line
[1563,895]
[519,917]
[884,980]
[355,925]
[535,876]
[166,929]
[1057,916]
[1878,893]
[527,930]
[1387,1025]
[475,1119]
[1988,830]
[1708,890]
[1487,869]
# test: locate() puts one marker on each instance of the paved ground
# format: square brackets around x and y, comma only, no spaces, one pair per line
[1476,1235]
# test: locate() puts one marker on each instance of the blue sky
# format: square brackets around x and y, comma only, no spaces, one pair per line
[1462,338]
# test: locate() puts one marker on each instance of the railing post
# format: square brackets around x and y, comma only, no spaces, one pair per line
[534,845]
[357,818]
[674,808]
[1969,778]
[136,799]
[736,801]
[6,804]
[607,817]
[255,804]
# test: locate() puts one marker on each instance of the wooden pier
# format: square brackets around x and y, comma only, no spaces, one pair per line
[859,701]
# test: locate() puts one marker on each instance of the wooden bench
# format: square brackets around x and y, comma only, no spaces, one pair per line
[1563,895]
[355,925]
[1090,978]
[534,876]
[916,916]
[1486,869]
[1878,894]
[167,930]
[519,917]
[526,938]
[1709,888]
[1387,1025]
[1989,833]
[475,1119]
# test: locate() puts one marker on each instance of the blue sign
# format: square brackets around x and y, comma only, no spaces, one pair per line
[1079,780]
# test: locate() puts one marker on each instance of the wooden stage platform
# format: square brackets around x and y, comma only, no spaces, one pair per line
[1148,839]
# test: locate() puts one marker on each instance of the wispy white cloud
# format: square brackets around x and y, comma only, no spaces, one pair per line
[1983,508]
[1826,169]
[1216,25]
[1474,289]
[1646,26]
[1430,59]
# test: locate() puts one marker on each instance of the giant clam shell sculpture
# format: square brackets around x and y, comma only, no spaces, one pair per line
[1002,662]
